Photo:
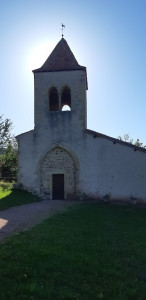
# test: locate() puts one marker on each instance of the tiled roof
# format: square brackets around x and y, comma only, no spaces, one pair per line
[115,141]
[61,59]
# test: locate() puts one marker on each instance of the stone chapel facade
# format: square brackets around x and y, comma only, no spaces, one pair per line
[61,158]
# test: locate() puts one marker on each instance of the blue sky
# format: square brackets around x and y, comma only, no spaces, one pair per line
[106,36]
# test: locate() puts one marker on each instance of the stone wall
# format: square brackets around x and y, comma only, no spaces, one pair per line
[58,161]
[96,167]
[58,122]
[93,166]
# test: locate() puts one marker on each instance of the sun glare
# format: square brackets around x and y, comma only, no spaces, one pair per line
[39,54]
[3,223]
[66,108]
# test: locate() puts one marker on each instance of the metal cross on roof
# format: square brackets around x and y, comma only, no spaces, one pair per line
[63,27]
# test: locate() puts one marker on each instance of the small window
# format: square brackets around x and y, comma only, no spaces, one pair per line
[53,99]
[66,99]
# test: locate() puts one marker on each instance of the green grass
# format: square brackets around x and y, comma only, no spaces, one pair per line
[92,251]
[11,197]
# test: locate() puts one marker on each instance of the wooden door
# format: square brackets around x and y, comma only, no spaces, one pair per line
[58,186]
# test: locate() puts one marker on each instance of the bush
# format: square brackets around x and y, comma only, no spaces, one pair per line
[6,185]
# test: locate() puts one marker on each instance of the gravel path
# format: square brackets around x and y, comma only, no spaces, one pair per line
[20,218]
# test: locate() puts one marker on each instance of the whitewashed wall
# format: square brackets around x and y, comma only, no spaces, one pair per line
[102,167]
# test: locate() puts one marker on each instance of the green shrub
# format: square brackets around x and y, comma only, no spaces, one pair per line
[6,185]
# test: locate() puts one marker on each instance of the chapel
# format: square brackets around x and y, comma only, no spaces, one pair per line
[62,159]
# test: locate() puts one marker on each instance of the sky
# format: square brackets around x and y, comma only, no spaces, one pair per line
[106,36]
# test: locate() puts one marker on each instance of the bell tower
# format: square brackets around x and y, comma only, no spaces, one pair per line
[60,93]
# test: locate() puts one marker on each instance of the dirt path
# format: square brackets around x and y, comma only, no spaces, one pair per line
[23,217]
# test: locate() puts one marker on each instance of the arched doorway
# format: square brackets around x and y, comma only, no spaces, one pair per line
[58,175]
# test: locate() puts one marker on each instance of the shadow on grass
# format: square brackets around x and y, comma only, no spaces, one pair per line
[17,218]
[20,217]
[94,251]
[17,197]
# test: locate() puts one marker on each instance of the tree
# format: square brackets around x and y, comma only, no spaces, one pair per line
[9,162]
[126,138]
[5,132]
[8,149]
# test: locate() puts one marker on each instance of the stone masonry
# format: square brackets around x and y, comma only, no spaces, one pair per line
[58,161]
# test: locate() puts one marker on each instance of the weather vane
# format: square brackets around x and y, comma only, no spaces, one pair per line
[63,27]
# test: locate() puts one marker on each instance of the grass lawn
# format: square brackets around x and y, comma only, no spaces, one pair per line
[91,251]
[11,197]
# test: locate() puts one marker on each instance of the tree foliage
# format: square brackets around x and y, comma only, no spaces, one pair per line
[5,132]
[8,149]
[9,161]
[126,138]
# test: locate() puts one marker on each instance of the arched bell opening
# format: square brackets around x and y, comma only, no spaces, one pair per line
[53,99]
[66,99]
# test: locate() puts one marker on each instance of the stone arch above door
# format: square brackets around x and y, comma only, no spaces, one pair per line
[58,161]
